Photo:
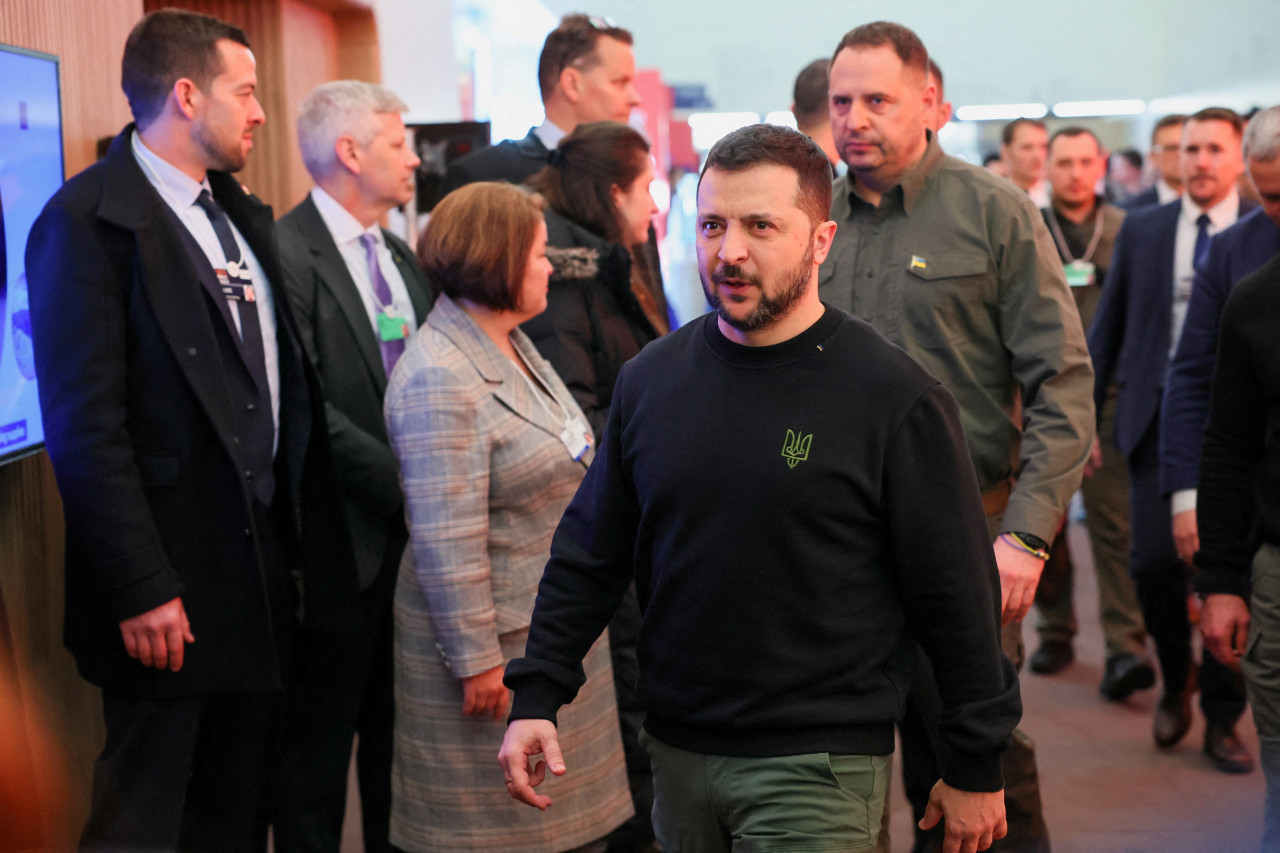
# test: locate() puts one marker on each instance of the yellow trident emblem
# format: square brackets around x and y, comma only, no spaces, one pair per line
[796,447]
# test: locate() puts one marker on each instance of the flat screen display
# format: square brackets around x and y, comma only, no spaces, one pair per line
[31,170]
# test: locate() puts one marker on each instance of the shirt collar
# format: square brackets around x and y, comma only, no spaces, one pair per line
[914,179]
[168,179]
[1164,192]
[1221,214]
[344,227]
[549,133]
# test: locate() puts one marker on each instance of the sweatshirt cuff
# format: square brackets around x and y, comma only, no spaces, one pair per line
[1210,581]
[1182,500]
[533,699]
[975,772]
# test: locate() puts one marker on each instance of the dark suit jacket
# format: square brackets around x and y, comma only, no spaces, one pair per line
[512,160]
[1146,198]
[1232,255]
[342,346]
[1129,337]
[140,428]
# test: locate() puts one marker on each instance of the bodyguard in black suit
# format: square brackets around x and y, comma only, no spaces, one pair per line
[1133,335]
[358,293]
[186,432]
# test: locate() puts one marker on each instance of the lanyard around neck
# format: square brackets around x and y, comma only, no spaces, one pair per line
[1061,240]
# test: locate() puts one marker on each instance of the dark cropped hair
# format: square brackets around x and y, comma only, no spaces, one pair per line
[904,42]
[166,46]
[810,92]
[1231,117]
[1011,129]
[1172,120]
[585,168]
[775,145]
[476,245]
[574,43]
[937,75]
[1072,132]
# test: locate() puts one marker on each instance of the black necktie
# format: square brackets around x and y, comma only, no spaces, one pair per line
[250,329]
[1202,240]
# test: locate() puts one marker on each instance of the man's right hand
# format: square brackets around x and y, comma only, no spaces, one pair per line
[973,819]
[1094,462]
[1224,621]
[156,638]
[527,738]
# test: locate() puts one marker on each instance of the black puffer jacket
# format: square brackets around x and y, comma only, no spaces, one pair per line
[593,323]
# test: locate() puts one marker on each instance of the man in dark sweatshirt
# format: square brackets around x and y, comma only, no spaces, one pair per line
[794,499]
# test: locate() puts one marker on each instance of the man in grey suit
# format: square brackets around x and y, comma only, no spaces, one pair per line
[359,295]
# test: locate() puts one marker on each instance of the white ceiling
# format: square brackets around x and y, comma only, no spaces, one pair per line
[747,53]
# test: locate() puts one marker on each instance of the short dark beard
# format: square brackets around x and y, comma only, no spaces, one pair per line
[768,310]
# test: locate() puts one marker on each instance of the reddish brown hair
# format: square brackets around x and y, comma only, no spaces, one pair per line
[477,244]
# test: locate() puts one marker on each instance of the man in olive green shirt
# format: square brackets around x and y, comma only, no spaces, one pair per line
[957,267]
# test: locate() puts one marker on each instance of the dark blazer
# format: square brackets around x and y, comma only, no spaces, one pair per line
[1146,198]
[342,346]
[512,160]
[140,428]
[1232,255]
[1129,337]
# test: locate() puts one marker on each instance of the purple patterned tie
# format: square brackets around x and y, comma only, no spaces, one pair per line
[391,350]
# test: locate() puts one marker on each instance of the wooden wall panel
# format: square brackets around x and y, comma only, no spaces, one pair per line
[89,38]
[63,712]
[309,51]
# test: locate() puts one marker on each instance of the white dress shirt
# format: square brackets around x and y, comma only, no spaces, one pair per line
[1039,192]
[346,231]
[1221,215]
[180,191]
[1164,192]
[549,133]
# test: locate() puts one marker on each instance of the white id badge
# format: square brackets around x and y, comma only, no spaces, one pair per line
[576,438]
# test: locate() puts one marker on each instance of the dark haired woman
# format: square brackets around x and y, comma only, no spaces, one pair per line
[605,301]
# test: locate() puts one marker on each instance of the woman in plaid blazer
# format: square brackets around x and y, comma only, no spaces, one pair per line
[492,447]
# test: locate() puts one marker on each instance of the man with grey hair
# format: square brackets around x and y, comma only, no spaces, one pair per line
[358,294]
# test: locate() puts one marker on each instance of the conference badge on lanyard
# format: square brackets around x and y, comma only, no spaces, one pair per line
[391,327]
[235,282]
[576,437]
[1080,273]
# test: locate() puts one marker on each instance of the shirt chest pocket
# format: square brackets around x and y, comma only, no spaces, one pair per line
[950,297]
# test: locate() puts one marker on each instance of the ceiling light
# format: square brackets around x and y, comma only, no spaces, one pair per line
[1001,112]
[1074,109]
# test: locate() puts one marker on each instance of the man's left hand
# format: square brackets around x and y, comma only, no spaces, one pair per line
[1019,576]
[1224,621]
[972,819]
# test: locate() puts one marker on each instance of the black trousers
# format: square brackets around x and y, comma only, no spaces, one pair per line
[340,684]
[1161,581]
[187,774]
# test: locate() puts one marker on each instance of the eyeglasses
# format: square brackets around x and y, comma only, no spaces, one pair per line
[602,23]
